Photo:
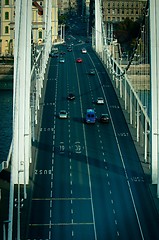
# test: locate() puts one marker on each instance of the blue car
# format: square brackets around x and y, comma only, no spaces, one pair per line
[90,116]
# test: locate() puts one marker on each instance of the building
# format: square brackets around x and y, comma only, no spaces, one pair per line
[65,6]
[7,23]
[118,10]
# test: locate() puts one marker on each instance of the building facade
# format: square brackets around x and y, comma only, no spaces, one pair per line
[118,10]
[7,15]
[65,6]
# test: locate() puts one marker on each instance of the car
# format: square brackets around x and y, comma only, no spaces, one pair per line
[91,72]
[79,60]
[62,53]
[62,60]
[100,100]
[71,96]
[104,118]
[84,50]
[53,55]
[90,116]
[63,114]
[69,49]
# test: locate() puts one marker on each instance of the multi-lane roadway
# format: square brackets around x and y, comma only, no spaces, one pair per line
[89,183]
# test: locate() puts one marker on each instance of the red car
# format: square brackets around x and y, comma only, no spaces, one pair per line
[79,60]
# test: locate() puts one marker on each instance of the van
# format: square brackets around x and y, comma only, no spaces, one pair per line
[90,116]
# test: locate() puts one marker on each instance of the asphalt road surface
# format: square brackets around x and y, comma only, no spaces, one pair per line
[89,183]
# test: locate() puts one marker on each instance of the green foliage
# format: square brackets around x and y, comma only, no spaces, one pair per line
[62,19]
[126,32]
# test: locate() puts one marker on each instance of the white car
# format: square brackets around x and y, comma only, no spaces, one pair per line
[100,100]
[84,50]
[63,114]
[62,60]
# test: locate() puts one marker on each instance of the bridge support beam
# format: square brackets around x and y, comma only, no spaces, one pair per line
[21,106]
[22,79]
[154,34]
[98,27]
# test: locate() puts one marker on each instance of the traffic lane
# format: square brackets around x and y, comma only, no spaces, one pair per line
[77,183]
[134,169]
[82,195]
[148,215]
[62,86]
[104,218]
[60,216]
[38,232]
[87,92]
[105,173]
[89,85]
[124,211]
[75,231]
[135,173]
[43,170]
[39,217]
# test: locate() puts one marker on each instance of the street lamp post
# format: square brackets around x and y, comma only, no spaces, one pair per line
[4,229]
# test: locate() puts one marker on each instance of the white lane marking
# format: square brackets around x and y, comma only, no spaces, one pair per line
[51,193]
[50,235]
[52,176]
[50,224]
[50,213]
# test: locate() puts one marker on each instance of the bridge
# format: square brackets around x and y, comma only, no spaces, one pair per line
[128,78]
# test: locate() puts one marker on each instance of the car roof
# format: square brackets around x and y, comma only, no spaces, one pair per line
[62,111]
[104,114]
[90,110]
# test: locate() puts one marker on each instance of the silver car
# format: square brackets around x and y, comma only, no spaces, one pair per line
[63,114]
[62,60]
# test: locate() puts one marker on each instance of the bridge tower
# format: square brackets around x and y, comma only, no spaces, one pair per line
[154,52]
[21,149]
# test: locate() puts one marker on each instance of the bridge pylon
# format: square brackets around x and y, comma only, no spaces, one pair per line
[154,52]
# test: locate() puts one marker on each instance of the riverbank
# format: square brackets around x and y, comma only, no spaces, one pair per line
[6,74]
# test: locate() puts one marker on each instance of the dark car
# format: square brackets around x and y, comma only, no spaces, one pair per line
[104,118]
[62,53]
[53,55]
[71,96]
[69,49]
[91,72]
